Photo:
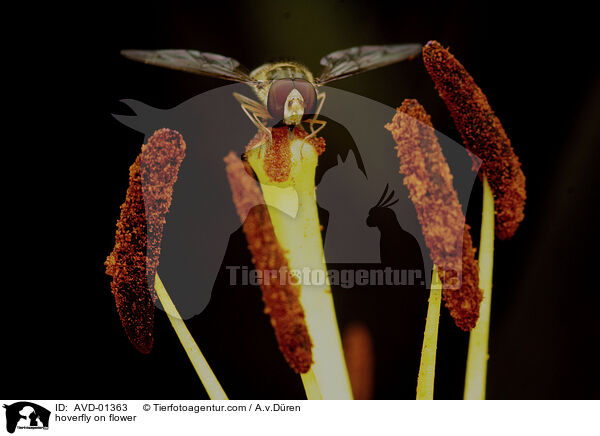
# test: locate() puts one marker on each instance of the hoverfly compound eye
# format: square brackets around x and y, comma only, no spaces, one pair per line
[308,92]
[279,91]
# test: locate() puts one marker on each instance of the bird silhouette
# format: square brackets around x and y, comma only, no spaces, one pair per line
[397,247]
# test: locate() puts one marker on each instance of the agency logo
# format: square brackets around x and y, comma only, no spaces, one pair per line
[26,415]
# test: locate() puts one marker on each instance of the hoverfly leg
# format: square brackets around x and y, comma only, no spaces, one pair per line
[311,121]
[320,96]
[323,123]
[254,111]
[257,113]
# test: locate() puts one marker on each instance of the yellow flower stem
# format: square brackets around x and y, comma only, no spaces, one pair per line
[207,377]
[477,358]
[300,236]
[311,387]
[428,354]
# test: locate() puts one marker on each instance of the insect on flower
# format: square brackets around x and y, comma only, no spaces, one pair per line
[287,92]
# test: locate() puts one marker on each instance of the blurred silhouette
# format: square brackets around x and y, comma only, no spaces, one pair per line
[360,360]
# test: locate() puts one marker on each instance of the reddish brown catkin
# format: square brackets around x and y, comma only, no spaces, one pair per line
[429,181]
[482,134]
[134,259]
[280,296]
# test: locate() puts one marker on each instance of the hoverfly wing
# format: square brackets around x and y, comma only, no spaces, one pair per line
[345,63]
[193,61]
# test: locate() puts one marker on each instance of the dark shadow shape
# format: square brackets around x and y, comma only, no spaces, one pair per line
[397,247]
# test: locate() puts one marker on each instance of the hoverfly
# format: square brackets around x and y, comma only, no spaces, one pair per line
[287,91]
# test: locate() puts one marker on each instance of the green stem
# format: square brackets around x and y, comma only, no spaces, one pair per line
[207,377]
[428,354]
[477,358]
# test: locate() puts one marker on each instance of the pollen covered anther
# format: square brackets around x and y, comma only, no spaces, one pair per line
[134,260]
[429,181]
[279,294]
[482,134]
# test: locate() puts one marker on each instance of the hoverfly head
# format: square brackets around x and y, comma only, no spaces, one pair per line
[290,99]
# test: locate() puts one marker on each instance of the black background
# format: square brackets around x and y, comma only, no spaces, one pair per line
[538,68]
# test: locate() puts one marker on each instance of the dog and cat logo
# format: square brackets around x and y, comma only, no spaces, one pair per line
[26,415]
